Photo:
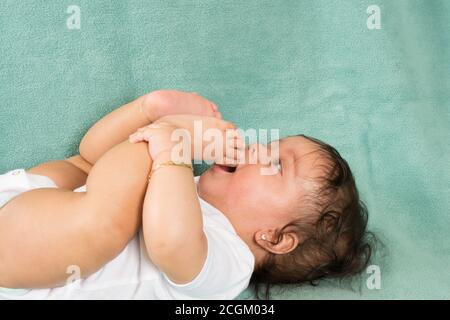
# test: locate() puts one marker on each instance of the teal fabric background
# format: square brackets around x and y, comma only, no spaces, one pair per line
[381,97]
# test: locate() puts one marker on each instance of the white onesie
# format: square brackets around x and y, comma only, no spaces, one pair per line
[131,275]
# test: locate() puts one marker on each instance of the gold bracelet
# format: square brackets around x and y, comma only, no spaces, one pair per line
[170,163]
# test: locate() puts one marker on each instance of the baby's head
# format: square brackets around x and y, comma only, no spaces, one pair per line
[304,223]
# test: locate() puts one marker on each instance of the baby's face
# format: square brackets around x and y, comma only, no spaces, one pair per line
[253,201]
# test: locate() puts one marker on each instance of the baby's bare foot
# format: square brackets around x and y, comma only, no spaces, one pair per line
[165,102]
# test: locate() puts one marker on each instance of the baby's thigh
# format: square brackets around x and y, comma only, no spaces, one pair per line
[45,231]
[69,174]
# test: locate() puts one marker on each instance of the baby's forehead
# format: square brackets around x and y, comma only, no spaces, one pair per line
[309,157]
[297,146]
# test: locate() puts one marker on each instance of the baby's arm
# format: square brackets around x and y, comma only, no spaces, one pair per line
[44,231]
[172,218]
[173,223]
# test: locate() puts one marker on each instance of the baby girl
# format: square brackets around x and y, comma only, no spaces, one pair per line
[123,220]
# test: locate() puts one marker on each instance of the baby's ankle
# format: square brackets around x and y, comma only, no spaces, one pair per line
[149,107]
[155,104]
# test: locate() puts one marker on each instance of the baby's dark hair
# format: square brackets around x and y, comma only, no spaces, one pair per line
[334,244]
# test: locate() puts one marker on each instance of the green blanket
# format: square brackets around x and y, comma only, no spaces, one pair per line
[381,96]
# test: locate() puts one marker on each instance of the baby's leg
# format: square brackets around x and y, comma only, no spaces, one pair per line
[69,174]
[44,231]
[116,126]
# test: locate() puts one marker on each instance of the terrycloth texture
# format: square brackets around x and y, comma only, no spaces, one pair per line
[380,96]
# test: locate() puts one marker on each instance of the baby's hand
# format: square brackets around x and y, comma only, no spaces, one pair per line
[209,139]
[158,135]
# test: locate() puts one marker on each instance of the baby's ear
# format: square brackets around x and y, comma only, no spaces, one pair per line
[275,242]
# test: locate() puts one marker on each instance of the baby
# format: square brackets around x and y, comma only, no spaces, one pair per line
[123,220]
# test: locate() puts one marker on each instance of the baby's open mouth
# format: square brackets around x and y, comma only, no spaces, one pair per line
[222,168]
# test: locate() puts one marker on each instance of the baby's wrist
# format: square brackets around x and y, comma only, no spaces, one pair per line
[161,157]
[166,156]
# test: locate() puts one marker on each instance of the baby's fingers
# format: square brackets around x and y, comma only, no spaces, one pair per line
[143,134]
[135,137]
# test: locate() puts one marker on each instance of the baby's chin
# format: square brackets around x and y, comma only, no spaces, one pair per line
[203,183]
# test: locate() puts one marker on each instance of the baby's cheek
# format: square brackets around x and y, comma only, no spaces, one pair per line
[247,193]
[238,191]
